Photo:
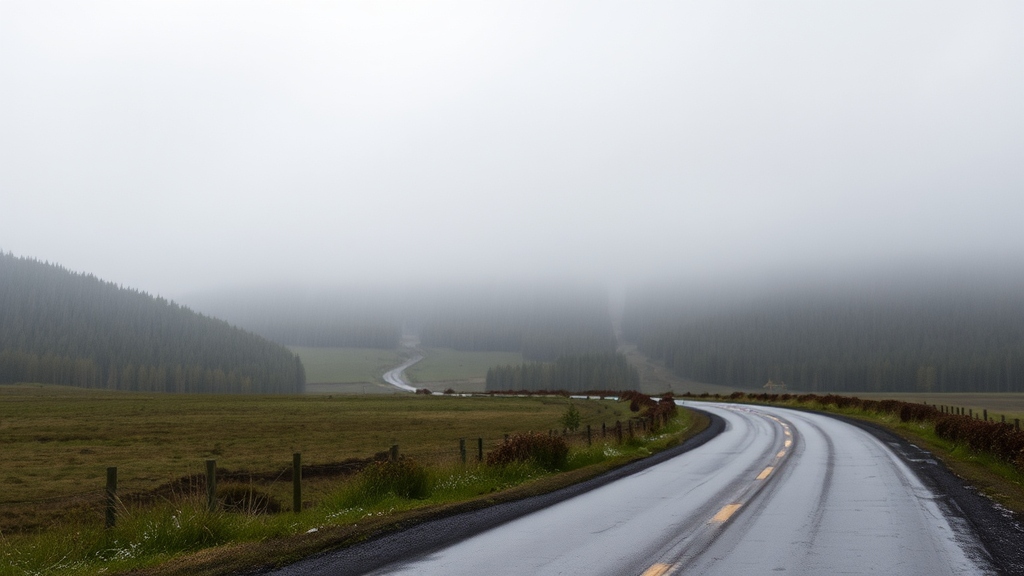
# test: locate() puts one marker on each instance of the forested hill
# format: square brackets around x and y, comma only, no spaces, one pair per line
[60,327]
[927,337]
[326,319]
[540,325]
[575,373]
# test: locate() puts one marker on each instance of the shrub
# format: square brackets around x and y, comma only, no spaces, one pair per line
[550,452]
[1000,440]
[404,478]
[637,400]
[571,418]
[917,412]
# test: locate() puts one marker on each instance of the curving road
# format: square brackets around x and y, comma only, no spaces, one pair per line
[397,379]
[778,491]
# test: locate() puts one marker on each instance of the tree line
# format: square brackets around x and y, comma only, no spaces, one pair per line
[542,326]
[60,327]
[572,373]
[926,339]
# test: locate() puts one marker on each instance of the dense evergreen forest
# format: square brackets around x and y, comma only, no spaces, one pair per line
[540,325]
[60,327]
[927,335]
[572,373]
[336,319]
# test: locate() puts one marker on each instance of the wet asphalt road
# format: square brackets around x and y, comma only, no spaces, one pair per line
[776,492]
[397,379]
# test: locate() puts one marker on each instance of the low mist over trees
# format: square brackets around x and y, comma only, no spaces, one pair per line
[60,327]
[325,319]
[572,373]
[926,334]
[542,325]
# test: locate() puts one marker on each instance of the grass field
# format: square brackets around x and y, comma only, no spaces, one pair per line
[1009,405]
[58,441]
[461,371]
[360,370]
[347,365]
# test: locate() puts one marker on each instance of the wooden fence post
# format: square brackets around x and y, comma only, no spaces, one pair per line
[462,449]
[393,455]
[604,430]
[480,449]
[111,496]
[297,482]
[588,435]
[1016,423]
[618,430]
[211,485]
[985,417]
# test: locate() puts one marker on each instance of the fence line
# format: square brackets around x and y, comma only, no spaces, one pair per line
[112,503]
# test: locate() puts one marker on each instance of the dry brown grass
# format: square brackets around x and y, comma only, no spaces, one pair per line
[59,441]
[1010,405]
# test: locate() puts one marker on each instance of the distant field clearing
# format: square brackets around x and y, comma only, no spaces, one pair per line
[347,365]
[461,371]
[359,370]
[1010,405]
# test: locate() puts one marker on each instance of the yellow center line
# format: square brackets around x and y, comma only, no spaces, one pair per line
[780,454]
[764,473]
[659,570]
[725,513]
[787,433]
[788,443]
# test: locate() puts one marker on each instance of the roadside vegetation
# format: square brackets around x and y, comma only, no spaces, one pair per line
[353,487]
[985,448]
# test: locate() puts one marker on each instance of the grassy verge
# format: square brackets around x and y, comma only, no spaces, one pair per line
[168,529]
[998,479]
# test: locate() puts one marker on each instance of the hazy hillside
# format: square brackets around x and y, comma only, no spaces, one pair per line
[541,324]
[73,329]
[321,319]
[924,333]
[572,373]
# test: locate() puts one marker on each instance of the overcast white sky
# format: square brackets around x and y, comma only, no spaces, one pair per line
[176,146]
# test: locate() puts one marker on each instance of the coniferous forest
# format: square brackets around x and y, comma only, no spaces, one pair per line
[540,325]
[571,373]
[60,327]
[924,335]
[341,319]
